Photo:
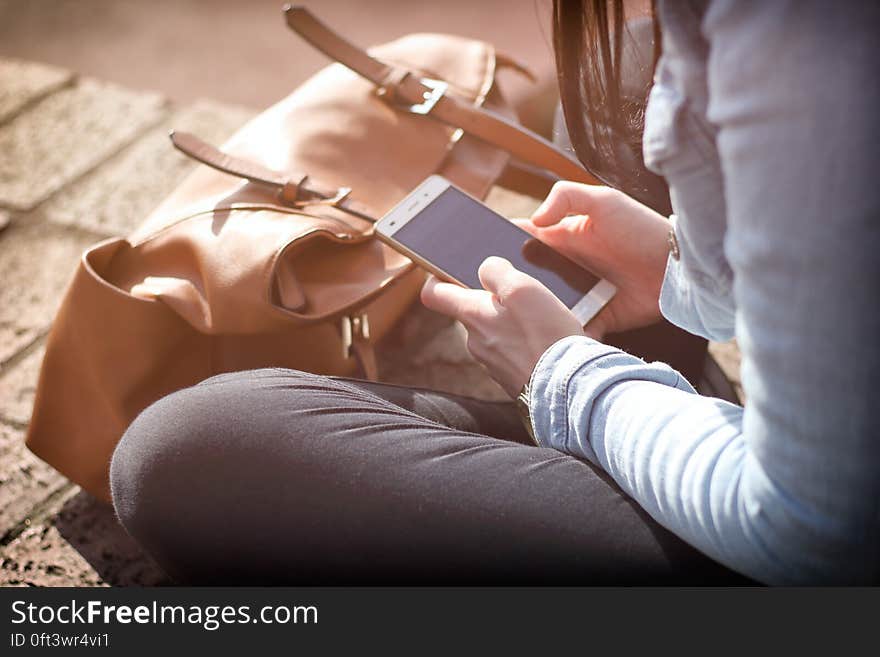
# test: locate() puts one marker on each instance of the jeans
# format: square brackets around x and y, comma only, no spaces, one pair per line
[283,477]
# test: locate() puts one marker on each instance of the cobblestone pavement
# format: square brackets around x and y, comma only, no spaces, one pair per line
[81,160]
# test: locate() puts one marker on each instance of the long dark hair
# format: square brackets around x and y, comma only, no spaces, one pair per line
[603,123]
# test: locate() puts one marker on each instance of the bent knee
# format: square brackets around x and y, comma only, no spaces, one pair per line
[160,450]
[178,472]
[176,441]
[202,445]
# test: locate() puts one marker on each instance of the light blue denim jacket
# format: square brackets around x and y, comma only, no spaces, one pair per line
[764,120]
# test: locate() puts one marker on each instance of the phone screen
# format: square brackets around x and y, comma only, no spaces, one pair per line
[456,233]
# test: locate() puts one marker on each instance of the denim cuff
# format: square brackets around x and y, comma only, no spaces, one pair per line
[549,388]
[675,302]
[694,306]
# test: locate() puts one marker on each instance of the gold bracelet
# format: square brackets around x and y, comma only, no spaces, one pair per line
[525,413]
[673,244]
[672,240]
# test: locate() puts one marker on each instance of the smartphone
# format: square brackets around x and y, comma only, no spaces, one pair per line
[450,233]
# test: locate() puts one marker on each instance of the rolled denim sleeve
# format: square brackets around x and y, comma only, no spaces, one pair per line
[786,490]
[680,455]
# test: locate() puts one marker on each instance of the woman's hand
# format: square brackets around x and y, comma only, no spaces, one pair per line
[510,323]
[614,236]
[513,321]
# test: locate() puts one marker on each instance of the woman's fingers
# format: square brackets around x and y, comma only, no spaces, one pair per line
[560,233]
[568,198]
[450,299]
[569,237]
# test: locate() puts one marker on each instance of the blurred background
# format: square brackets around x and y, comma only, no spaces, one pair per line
[241,52]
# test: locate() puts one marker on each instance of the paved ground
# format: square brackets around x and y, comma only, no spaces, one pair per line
[80,160]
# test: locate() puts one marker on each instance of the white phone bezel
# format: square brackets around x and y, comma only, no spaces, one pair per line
[410,206]
[585,309]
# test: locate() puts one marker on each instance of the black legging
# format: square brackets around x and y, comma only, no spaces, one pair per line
[278,476]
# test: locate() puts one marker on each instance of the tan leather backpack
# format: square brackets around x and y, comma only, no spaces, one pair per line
[266,257]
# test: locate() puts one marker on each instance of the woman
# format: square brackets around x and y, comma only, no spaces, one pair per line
[762,121]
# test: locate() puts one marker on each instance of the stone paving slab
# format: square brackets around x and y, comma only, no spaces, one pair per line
[22,83]
[64,135]
[41,557]
[24,479]
[117,196]
[78,542]
[18,383]
[91,528]
[428,350]
[36,262]
[727,355]
[31,558]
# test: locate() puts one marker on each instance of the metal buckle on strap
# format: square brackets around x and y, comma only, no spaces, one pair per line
[435,91]
[352,328]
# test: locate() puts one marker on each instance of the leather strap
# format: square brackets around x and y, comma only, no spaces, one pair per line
[365,354]
[295,190]
[525,179]
[355,336]
[405,89]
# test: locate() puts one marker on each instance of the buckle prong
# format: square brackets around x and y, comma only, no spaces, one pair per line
[436,89]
